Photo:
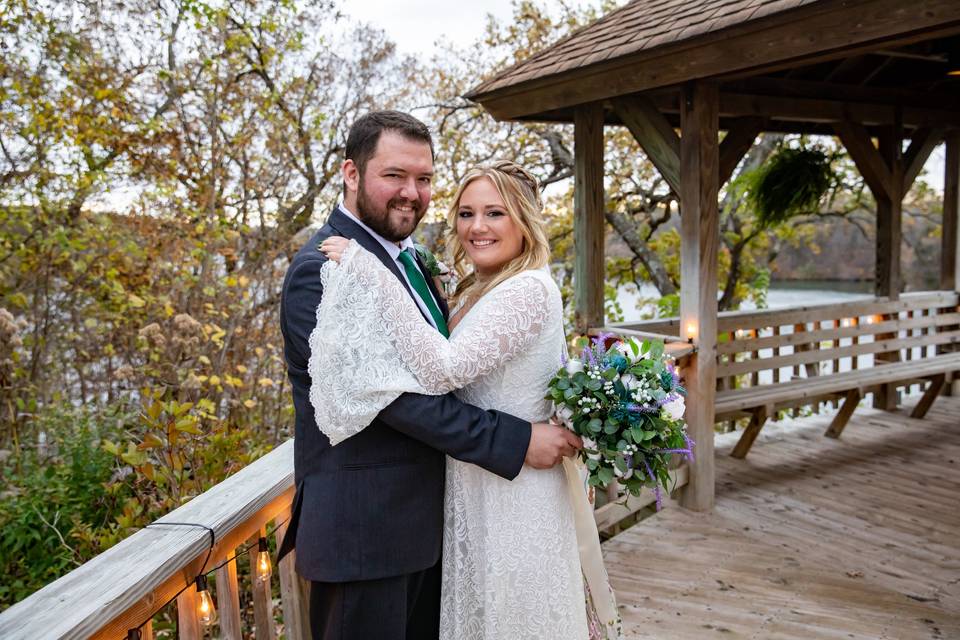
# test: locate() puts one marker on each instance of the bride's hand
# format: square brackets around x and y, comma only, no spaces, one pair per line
[333,247]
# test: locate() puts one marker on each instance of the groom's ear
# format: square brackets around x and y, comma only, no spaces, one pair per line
[351,176]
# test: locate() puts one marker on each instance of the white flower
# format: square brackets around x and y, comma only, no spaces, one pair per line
[621,474]
[629,381]
[574,365]
[675,408]
[627,350]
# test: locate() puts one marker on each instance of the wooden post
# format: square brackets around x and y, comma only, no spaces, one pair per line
[294,592]
[949,265]
[949,279]
[262,597]
[228,601]
[188,624]
[889,235]
[889,221]
[588,219]
[700,236]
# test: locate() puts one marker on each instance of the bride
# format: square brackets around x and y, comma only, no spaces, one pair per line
[521,558]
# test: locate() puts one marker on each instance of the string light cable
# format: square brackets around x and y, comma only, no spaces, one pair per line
[207,610]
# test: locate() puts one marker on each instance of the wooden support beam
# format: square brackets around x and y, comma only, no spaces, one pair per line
[654,135]
[699,242]
[828,111]
[889,214]
[588,220]
[294,591]
[949,276]
[844,414]
[188,624]
[228,601]
[929,396]
[921,146]
[871,165]
[758,418]
[740,137]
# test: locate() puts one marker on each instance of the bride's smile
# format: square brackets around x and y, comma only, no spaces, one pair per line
[486,229]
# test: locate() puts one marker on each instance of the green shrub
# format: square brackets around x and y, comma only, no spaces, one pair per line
[58,507]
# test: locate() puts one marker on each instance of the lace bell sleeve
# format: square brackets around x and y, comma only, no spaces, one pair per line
[371,342]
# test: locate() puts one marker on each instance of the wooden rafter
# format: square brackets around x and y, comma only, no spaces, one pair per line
[740,137]
[870,163]
[654,134]
[922,145]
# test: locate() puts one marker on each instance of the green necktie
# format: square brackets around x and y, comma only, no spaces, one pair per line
[420,285]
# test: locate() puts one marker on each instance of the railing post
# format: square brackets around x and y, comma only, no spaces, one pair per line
[188,624]
[262,597]
[228,601]
[293,591]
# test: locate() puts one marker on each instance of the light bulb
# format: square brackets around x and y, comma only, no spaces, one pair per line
[206,612]
[264,568]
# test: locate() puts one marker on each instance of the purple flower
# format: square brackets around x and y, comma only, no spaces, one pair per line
[588,352]
[656,485]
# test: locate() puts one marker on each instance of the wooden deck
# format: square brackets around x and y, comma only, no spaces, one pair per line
[811,538]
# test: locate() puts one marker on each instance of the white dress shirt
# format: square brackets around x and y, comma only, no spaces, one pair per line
[393,250]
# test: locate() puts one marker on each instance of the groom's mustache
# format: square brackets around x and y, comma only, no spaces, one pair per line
[416,205]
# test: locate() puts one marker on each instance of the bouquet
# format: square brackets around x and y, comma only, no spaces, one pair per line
[626,402]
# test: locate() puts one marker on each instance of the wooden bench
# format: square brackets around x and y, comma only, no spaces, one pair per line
[772,360]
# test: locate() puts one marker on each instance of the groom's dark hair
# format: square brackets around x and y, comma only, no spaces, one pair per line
[365,134]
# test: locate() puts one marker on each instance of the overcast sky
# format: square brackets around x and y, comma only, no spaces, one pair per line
[416,25]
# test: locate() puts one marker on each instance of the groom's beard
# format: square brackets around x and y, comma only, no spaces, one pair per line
[392,228]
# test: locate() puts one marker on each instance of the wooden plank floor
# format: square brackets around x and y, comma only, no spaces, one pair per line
[811,538]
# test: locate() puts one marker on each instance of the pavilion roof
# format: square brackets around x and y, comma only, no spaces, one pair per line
[640,25]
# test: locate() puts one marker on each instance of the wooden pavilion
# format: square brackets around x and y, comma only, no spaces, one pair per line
[677,73]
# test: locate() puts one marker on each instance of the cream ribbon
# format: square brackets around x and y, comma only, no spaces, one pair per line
[588,543]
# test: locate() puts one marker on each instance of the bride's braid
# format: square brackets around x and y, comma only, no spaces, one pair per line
[520,191]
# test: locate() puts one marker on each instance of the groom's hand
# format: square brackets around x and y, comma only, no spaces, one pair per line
[549,444]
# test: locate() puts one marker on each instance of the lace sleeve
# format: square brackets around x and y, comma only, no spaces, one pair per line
[371,342]
[503,324]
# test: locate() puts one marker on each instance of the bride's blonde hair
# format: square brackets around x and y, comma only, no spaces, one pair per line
[521,195]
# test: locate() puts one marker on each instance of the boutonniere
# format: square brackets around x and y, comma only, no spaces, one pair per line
[442,277]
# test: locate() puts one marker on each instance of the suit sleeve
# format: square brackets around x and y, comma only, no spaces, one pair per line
[493,440]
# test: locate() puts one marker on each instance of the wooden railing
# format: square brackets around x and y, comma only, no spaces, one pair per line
[125,586]
[770,346]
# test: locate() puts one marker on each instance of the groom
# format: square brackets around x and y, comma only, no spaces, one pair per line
[368,514]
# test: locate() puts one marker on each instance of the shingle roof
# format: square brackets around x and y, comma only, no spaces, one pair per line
[641,25]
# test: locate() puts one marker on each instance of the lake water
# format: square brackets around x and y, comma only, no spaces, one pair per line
[782,294]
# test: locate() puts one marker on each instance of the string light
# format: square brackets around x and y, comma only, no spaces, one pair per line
[206,612]
[264,568]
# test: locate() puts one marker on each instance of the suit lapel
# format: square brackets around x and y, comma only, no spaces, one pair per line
[349,229]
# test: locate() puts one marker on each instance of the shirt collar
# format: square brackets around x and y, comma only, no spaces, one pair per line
[390,247]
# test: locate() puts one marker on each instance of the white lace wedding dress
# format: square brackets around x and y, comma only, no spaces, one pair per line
[511,567]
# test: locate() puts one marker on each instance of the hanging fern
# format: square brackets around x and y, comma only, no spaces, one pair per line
[792,182]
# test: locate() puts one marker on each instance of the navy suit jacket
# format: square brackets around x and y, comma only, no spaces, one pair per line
[372,507]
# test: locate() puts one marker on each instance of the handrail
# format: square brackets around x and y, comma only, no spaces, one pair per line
[730,320]
[128,583]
